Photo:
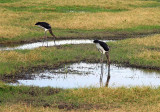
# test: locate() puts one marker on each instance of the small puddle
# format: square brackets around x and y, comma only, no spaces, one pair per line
[50,43]
[78,75]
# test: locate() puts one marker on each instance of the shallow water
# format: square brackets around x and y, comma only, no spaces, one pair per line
[49,43]
[79,75]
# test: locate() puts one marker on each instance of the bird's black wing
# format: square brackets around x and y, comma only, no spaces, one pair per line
[104,45]
[44,24]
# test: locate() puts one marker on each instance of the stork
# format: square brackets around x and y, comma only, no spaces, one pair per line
[47,27]
[104,49]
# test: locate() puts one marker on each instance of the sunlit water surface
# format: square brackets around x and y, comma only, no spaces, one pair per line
[79,75]
[49,43]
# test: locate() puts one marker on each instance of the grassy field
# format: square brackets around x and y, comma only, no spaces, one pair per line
[79,19]
[73,18]
[29,99]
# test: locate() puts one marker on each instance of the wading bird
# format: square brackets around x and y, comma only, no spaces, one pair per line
[104,49]
[46,27]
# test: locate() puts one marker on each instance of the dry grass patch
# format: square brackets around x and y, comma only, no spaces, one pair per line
[8,27]
[128,108]
[6,56]
[9,32]
[149,55]
[147,41]
[18,18]
[102,3]
[137,108]
[20,107]
[139,52]
[106,20]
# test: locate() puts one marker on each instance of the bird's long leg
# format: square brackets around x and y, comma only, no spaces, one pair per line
[108,59]
[101,76]
[102,68]
[108,77]
[47,42]
[50,31]
[101,82]
[102,58]
[44,37]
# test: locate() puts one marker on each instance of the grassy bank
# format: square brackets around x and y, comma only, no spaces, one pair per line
[21,98]
[138,52]
[74,18]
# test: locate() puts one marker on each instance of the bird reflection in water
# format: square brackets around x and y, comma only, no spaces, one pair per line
[101,76]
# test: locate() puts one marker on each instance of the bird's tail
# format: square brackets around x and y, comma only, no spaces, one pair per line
[50,31]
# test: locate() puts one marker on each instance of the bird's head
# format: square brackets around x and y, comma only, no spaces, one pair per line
[38,23]
[96,41]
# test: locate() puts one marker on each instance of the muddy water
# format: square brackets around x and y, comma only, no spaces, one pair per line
[79,75]
[49,43]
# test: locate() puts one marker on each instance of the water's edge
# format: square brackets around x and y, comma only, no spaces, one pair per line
[79,75]
[49,43]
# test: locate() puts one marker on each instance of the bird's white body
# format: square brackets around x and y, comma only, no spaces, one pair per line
[45,29]
[100,48]
[103,48]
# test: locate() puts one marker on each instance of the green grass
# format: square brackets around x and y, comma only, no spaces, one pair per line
[143,28]
[139,29]
[9,1]
[139,52]
[82,9]
[151,0]
[113,34]
[12,94]
[41,57]
[83,98]
[148,5]
[62,9]
[151,5]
